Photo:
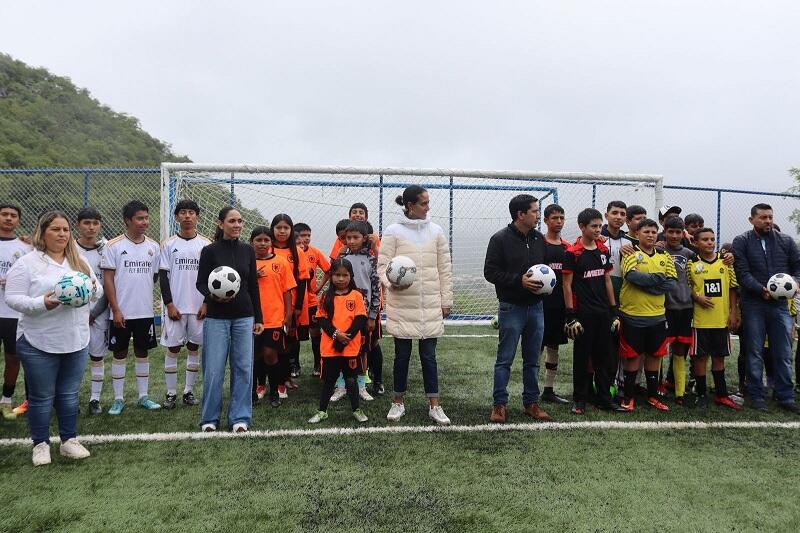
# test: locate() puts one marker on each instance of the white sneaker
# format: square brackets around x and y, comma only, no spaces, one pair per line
[438,416]
[240,427]
[41,454]
[397,411]
[208,428]
[338,394]
[73,449]
[367,397]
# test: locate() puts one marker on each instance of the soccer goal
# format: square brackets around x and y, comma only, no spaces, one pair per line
[470,205]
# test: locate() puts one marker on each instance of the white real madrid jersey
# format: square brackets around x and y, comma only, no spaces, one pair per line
[181,257]
[10,251]
[134,265]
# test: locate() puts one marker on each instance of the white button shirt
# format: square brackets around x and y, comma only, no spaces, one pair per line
[63,329]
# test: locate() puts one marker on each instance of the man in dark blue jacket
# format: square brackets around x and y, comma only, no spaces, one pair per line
[511,252]
[759,254]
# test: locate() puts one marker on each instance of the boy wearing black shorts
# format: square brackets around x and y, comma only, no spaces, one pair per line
[554,335]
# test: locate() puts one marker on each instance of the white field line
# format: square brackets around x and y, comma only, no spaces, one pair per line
[483,428]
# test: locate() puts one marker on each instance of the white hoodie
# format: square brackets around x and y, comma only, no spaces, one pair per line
[416,312]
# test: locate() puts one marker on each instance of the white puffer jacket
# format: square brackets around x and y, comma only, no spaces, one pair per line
[416,312]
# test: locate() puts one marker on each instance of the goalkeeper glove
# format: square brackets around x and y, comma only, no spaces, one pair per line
[615,320]
[573,327]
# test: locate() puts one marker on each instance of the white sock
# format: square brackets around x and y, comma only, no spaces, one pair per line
[142,375]
[118,377]
[98,375]
[192,368]
[550,367]
[5,399]
[170,372]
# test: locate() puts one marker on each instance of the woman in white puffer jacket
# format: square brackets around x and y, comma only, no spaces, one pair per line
[417,312]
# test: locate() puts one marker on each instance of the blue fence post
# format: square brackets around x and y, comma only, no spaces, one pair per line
[719,217]
[450,225]
[380,204]
[231,201]
[594,196]
[86,189]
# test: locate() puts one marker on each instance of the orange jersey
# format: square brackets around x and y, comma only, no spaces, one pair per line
[316,260]
[338,245]
[346,307]
[277,280]
[305,274]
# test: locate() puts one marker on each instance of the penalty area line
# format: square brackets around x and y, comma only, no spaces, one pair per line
[384,430]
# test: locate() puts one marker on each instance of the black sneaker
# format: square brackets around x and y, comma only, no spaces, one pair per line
[702,401]
[171,402]
[612,407]
[274,401]
[378,389]
[94,407]
[791,407]
[189,399]
[316,373]
[295,373]
[551,397]
[579,408]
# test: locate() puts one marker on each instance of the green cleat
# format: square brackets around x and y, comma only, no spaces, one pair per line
[359,415]
[318,417]
[116,407]
[7,410]
[146,403]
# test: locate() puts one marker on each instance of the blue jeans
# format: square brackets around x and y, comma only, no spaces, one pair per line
[770,320]
[52,378]
[221,336]
[526,321]
[427,356]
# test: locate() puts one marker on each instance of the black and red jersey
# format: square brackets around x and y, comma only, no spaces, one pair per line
[554,258]
[588,268]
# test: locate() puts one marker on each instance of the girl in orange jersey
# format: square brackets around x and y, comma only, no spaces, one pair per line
[275,284]
[342,316]
[284,244]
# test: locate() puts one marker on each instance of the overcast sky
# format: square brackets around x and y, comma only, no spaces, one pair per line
[701,92]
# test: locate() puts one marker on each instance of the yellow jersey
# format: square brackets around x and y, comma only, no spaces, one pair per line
[714,280]
[635,301]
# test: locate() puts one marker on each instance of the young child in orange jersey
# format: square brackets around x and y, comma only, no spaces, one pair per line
[275,284]
[316,261]
[342,316]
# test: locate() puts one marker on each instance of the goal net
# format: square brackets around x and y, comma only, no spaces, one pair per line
[470,205]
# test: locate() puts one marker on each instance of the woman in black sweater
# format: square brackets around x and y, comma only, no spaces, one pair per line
[229,326]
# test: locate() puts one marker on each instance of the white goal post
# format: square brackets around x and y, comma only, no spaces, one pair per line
[470,205]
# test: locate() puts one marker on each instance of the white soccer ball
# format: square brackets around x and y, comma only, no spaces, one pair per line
[224,282]
[401,271]
[782,287]
[544,274]
[74,289]
[495,322]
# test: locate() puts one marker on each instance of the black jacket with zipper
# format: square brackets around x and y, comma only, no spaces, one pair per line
[509,255]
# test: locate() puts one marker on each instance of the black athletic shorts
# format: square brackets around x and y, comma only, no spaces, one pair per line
[143,331]
[554,327]
[637,340]
[271,338]
[711,341]
[312,318]
[679,325]
[8,334]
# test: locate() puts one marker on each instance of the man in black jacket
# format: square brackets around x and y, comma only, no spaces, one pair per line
[759,254]
[511,252]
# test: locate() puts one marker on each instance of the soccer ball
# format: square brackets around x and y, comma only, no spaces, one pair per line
[74,289]
[781,286]
[544,274]
[495,322]
[224,282]
[401,271]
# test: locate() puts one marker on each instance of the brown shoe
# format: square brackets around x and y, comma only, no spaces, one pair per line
[498,414]
[534,411]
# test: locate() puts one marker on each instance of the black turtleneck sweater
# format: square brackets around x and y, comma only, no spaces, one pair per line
[242,258]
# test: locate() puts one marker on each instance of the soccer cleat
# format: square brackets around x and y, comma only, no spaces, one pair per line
[275,401]
[41,454]
[662,389]
[116,407]
[579,408]
[171,402]
[316,373]
[292,384]
[657,404]
[282,392]
[21,409]
[240,427]
[367,379]
[551,397]
[208,428]
[72,449]
[261,391]
[318,417]
[628,404]
[737,398]
[339,393]
[189,399]
[396,412]
[727,402]
[94,407]
[378,389]
[612,407]
[7,411]
[366,396]
[437,415]
[295,373]
[702,401]
[359,415]
[146,403]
